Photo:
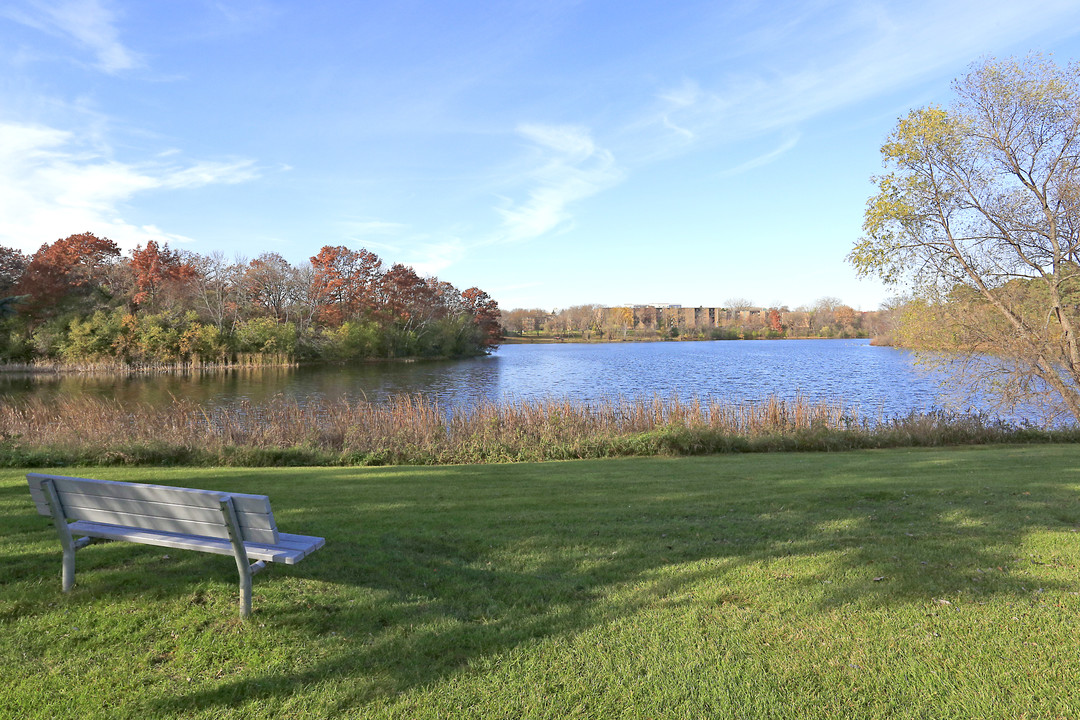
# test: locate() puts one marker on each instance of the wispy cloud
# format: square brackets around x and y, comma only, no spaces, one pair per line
[208,173]
[51,187]
[676,99]
[434,256]
[829,56]
[427,254]
[789,142]
[569,167]
[91,24]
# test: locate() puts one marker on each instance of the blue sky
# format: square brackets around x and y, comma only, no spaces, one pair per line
[552,153]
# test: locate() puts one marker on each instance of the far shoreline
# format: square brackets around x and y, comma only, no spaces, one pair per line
[582,341]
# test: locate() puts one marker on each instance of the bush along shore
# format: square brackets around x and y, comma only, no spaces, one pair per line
[412,430]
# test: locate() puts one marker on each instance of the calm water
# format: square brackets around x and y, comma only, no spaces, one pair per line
[871,379]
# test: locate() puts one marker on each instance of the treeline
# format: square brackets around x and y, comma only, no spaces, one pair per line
[736,320]
[80,302]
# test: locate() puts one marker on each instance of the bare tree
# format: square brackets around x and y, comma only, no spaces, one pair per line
[217,283]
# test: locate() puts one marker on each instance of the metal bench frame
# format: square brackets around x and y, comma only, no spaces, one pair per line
[236,524]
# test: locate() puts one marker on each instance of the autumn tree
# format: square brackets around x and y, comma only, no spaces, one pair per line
[65,272]
[647,317]
[847,320]
[980,204]
[485,313]
[618,320]
[583,318]
[412,303]
[155,269]
[515,320]
[345,282]
[776,322]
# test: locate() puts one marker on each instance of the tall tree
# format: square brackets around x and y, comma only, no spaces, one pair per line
[980,207]
[155,267]
[217,285]
[65,272]
[268,282]
[345,282]
[12,265]
[408,299]
[776,322]
[486,316]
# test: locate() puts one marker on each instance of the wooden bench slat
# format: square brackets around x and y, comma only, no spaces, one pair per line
[243,502]
[287,555]
[73,501]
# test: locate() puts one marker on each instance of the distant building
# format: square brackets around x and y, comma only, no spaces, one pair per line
[663,315]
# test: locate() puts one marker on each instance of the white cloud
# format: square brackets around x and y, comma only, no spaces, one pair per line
[828,56]
[209,173]
[570,168]
[788,143]
[51,188]
[569,140]
[431,258]
[89,23]
[427,254]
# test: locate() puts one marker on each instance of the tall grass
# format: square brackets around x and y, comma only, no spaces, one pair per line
[118,366]
[415,430]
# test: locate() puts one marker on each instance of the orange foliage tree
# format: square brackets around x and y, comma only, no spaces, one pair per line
[155,268]
[344,283]
[486,315]
[65,271]
[776,322]
[408,299]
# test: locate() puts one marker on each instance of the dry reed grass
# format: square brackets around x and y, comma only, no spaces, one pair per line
[116,366]
[416,430]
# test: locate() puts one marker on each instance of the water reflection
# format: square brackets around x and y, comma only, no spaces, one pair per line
[871,379]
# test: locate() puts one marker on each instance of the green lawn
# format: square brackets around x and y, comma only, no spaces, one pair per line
[903,583]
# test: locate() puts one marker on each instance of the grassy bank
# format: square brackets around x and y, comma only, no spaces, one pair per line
[84,430]
[874,584]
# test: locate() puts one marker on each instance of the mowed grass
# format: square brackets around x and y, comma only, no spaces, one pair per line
[926,583]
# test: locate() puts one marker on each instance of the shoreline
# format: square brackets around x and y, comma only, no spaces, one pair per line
[514,340]
[86,369]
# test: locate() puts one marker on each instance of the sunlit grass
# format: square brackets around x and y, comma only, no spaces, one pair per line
[887,584]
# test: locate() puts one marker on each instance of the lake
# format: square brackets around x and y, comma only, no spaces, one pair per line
[869,379]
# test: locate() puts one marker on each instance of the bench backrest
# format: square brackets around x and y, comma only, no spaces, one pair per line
[157,507]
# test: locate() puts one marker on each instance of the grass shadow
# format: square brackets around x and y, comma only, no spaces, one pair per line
[429,571]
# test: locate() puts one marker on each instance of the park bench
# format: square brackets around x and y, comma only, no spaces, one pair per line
[222,523]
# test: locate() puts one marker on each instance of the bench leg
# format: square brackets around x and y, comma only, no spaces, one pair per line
[60,521]
[240,553]
[69,569]
[246,572]
[245,587]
